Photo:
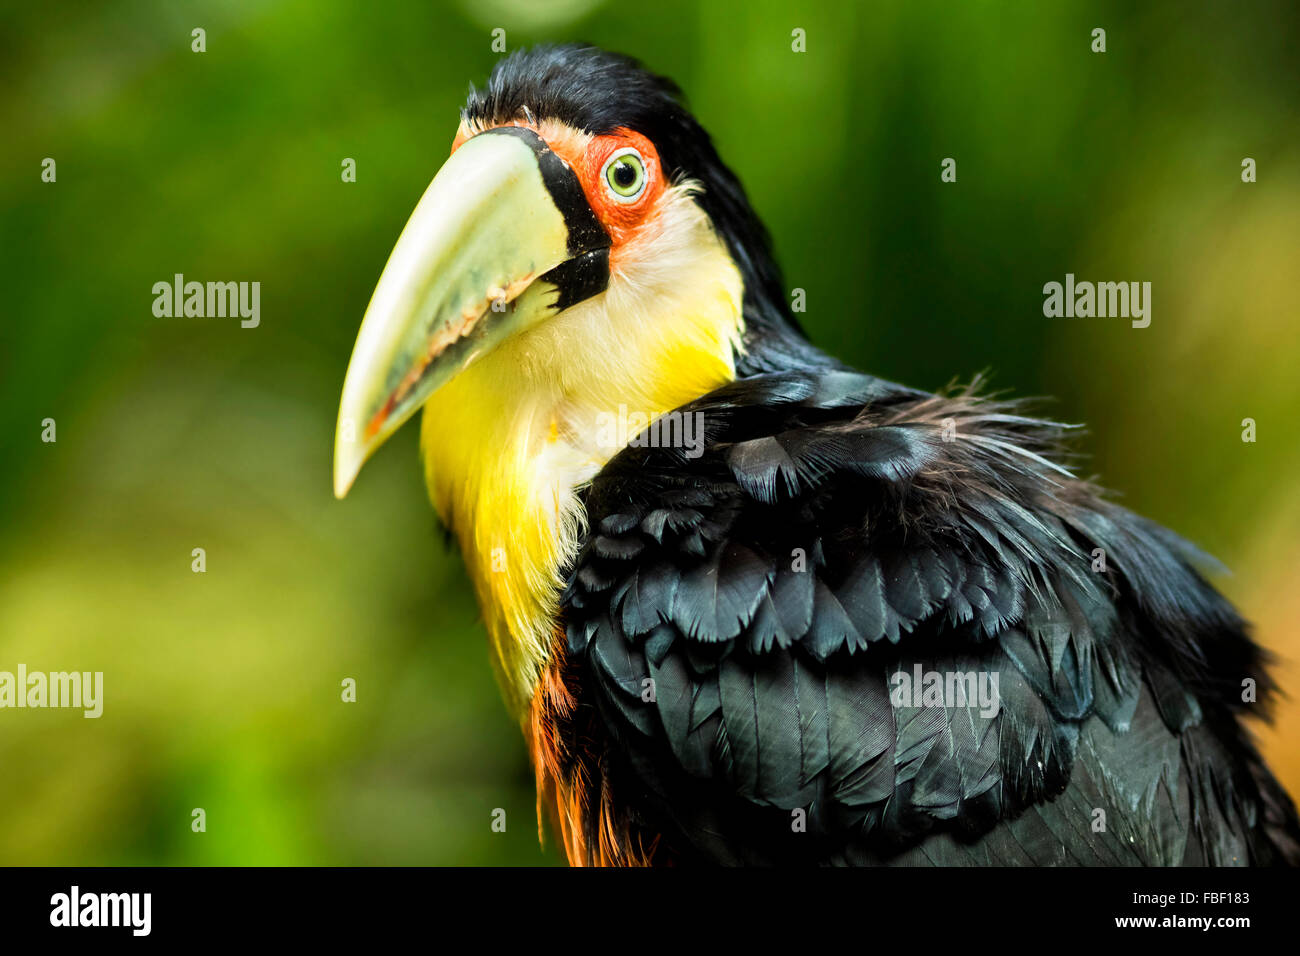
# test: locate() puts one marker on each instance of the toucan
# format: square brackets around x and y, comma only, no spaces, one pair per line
[749,605]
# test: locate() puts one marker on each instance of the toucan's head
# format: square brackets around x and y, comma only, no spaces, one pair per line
[583,236]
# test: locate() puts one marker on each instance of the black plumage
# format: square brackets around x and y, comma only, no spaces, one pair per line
[935,530]
[597,91]
[838,529]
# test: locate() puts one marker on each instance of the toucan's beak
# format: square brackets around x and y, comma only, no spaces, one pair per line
[502,239]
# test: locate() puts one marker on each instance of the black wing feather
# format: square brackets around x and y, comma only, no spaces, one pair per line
[838,531]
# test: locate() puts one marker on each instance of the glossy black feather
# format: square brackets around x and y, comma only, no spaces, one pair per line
[837,531]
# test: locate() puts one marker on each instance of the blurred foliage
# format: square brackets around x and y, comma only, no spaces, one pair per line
[223,688]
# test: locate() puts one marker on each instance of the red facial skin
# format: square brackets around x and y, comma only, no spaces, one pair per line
[620,219]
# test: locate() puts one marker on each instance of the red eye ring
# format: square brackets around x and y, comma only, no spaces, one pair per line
[621,203]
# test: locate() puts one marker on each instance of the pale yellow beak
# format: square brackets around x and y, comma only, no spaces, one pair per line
[466,274]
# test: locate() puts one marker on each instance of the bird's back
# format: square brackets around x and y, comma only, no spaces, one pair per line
[862,624]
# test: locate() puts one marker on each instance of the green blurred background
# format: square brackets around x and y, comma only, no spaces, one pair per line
[223,688]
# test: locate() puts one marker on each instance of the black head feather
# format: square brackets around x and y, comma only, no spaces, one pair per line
[596,91]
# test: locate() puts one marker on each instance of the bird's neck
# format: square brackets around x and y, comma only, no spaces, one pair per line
[511,442]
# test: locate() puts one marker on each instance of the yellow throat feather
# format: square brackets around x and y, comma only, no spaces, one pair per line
[509,442]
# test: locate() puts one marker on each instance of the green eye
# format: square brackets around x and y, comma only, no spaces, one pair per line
[625,175]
